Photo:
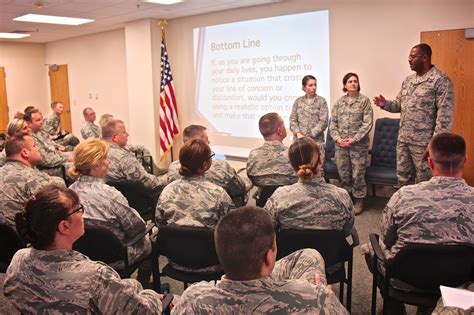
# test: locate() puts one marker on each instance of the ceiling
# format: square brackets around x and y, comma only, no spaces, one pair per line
[108,15]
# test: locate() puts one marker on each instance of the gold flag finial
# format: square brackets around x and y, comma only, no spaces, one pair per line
[162,24]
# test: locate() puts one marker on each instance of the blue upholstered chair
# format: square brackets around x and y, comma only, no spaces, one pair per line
[383,164]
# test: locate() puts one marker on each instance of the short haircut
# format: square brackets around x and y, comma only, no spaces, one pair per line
[192,156]
[306,78]
[87,155]
[15,126]
[104,119]
[38,223]
[28,108]
[110,128]
[242,239]
[29,114]
[14,144]
[347,77]
[192,132]
[53,104]
[268,124]
[448,151]
[425,49]
[304,157]
[85,111]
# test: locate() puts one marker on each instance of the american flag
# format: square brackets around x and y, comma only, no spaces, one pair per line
[168,109]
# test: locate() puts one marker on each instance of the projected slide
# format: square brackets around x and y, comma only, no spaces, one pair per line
[246,69]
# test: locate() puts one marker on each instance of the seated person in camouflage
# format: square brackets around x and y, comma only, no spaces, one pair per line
[124,166]
[106,206]
[51,157]
[50,277]
[52,125]
[16,127]
[253,282]
[19,178]
[192,200]
[268,165]
[137,149]
[438,211]
[89,129]
[220,173]
[311,203]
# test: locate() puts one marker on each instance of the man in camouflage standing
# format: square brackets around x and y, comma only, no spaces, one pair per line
[246,246]
[426,104]
[220,173]
[269,164]
[19,178]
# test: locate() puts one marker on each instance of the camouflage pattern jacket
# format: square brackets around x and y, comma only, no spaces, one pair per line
[90,130]
[269,165]
[106,207]
[311,120]
[313,205]
[67,282]
[438,211]
[426,105]
[18,183]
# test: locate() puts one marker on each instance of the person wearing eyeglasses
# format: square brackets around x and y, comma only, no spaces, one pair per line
[50,277]
[192,200]
[311,203]
[107,207]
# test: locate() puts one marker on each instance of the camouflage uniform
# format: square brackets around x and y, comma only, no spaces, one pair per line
[289,289]
[67,282]
[269,165]
[437,211]
[3,158]
[312,205]
[220,173]
[18,183]
[90,130]
[352,118]
[106,207]
[50,157]
[52,126]
[192,201]
[311,120]
[125,166]
[426,104]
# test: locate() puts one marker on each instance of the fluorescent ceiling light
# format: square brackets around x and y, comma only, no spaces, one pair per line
[13,35]
[50,19]
[163,1]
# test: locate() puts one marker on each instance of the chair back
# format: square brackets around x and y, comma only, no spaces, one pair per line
[10,242]
[331,244]
[190,247]
[428,266]
[265,193]
[138,196]
[384,152]
[100,244]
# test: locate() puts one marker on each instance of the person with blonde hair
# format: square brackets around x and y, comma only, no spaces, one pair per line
[311,203]
[106,206]
[51,278]
[16,127]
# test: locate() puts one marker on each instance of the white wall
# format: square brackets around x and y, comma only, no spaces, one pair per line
[370,37]
[26,76]
[97,74]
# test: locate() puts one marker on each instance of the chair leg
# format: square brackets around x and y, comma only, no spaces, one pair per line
[349,286]
[341,292]
[155,267]
[374,289]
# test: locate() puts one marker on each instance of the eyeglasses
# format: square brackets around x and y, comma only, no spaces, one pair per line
[79,209]
[211,155]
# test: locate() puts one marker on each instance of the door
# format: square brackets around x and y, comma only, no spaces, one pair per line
[3,101]
[454,55]
[59,84]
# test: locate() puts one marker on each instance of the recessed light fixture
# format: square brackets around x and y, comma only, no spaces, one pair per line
[163,1]
[50,19]
[13,35]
